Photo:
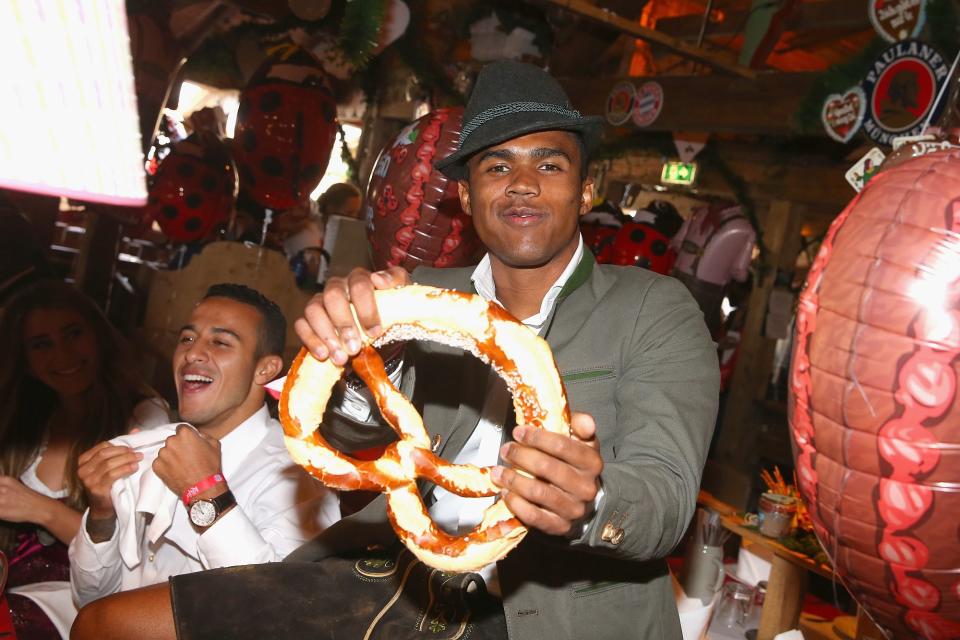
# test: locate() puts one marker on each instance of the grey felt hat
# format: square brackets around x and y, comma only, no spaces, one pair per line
[511,99]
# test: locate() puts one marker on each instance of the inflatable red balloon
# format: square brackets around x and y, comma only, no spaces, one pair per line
[641,245]
[194,189]
[413,211]
[286,126]
[874,410]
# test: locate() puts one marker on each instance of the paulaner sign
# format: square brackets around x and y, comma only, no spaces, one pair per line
[901,88]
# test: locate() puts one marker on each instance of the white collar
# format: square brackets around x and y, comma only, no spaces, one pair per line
[482,278]
[236,445]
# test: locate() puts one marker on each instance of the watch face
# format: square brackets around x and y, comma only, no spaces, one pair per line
[203,513]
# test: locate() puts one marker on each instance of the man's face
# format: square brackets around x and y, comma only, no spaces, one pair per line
[215,362]
[526,198]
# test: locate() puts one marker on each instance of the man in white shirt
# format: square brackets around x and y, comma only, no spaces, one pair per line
[221,491]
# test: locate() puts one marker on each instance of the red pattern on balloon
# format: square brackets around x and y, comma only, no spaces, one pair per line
[414,214]
[901,262]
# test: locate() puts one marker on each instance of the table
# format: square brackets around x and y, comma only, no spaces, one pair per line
[788,579]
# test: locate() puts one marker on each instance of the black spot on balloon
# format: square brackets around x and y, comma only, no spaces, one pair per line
[637,235]
[185,170]
[329,112]
[194,200]
[193,224]
[170,212]
[659,247]
[270,101]
[272,166]
[209,183]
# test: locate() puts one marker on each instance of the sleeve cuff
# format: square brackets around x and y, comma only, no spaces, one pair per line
[233,540]
[93,556]
[586,522]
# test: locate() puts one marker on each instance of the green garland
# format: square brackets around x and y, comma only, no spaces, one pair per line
[359,29]
[942,33]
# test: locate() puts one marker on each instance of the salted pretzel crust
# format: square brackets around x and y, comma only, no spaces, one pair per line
[453,318]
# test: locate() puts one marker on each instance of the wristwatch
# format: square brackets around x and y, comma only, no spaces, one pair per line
[204,513]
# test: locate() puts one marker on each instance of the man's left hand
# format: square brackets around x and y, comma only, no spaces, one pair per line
[566,475]
[186,458]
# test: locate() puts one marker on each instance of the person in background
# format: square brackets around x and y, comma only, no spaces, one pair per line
[223,485]
[341,199]
[69,381]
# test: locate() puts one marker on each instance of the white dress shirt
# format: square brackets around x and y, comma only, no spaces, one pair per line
[279,506]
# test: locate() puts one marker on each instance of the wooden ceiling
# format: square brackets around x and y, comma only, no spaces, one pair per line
[816,34]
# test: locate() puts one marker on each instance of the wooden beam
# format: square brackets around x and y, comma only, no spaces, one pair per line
[714,103]
[592,12]
[841,15]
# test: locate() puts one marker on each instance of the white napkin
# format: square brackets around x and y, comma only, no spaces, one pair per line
[142,492]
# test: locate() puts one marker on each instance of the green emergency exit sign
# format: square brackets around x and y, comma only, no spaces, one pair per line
[683,173]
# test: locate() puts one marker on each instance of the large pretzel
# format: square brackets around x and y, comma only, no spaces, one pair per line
[457,319]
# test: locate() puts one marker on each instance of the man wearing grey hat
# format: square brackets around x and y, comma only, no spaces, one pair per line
[605,506]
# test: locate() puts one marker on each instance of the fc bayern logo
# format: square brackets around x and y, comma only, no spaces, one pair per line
[902,87]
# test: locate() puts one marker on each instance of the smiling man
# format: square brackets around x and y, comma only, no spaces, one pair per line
[604,506]
[224,484]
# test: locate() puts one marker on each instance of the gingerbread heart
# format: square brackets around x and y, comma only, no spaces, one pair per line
[897,20]
[842,114]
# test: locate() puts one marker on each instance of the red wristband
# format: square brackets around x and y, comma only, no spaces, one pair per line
[200,487]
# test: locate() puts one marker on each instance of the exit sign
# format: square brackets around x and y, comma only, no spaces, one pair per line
[675,172]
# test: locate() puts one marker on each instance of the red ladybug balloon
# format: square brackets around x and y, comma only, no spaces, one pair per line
[286,126]
[194,189]
[640,244]
[874,411]
[413,211]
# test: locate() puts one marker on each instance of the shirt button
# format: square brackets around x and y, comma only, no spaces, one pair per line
[152,556]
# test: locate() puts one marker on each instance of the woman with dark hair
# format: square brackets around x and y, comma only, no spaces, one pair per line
[68,381]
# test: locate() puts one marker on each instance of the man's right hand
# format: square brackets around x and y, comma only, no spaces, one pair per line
[328,328]
[98,468]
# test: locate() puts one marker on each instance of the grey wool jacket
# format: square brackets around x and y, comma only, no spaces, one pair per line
[633,351]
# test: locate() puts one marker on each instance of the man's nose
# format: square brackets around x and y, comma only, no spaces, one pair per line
[524,182]
[196,352]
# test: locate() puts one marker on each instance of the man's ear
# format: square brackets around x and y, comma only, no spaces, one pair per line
[463,188]
[586,196]
[268,368]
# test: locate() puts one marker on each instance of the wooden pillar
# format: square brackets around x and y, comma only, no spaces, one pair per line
[784,599]
[781,233]
[98,256]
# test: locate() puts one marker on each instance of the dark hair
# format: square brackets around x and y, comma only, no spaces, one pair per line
[335,196]
[27,405]
[272,332]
